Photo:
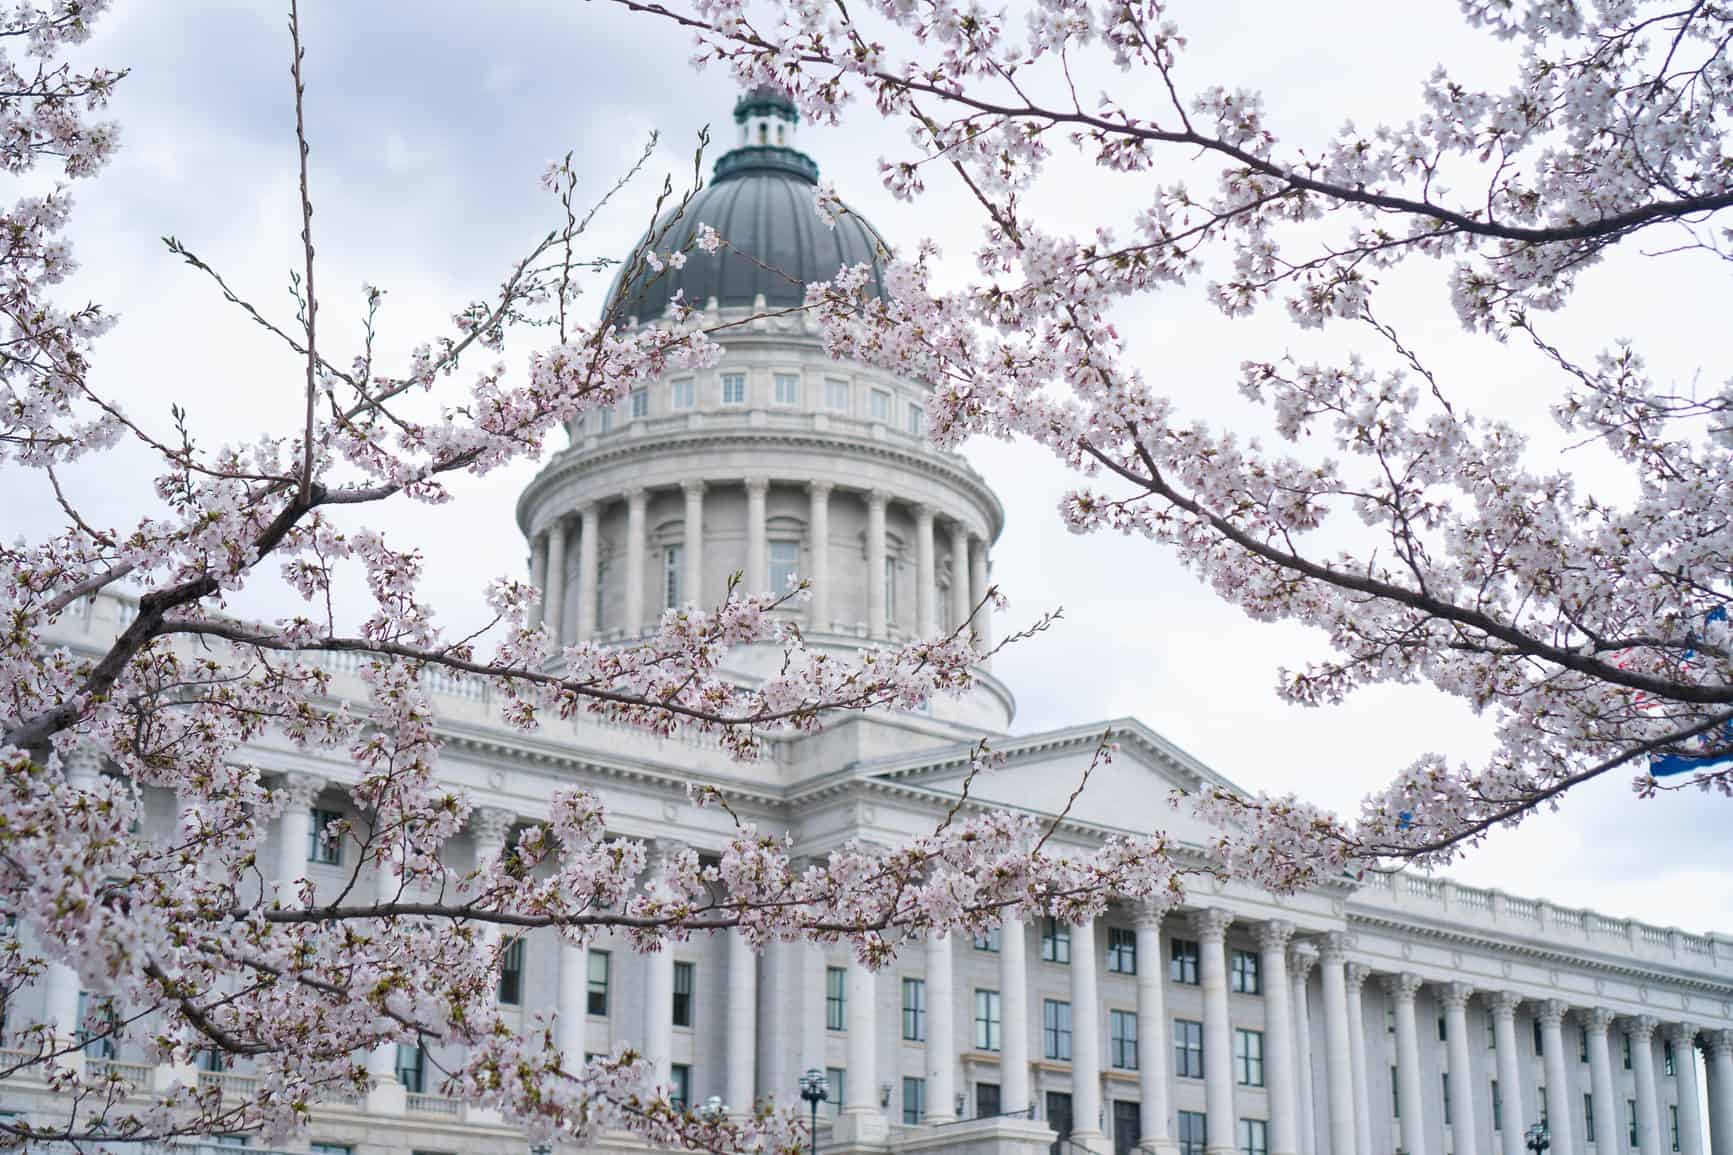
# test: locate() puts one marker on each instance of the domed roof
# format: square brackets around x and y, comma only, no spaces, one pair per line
[760,202]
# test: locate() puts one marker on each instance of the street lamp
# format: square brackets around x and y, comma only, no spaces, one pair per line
[1536,1138]
[711,1109]
[815,1089]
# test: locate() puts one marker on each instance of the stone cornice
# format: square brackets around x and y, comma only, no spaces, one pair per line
[618,447]
[1461,936]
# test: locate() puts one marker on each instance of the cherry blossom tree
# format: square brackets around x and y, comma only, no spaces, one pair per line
[189,943]
[1593,630]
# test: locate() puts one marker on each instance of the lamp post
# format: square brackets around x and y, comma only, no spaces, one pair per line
[711,1109]
[815,1089]
[1536,1138]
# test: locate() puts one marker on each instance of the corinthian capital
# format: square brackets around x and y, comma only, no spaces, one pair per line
[1211,924]
[1402,987]
[1274,935]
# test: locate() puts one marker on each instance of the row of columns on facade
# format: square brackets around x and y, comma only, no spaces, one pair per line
[1285,969]
[548,561]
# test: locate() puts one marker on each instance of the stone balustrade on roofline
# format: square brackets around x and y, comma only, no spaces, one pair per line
[1506,915]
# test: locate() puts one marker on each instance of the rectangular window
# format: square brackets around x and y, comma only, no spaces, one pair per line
[681,1076]
[787,387]
[329,1149]
[914,1100]
[1491,1034]
[881,403]
[321,847]
[836,395]
[1537,1039]
[1395,1096]
[673,571]
[1248,1057]
[988,941]
[1254,1137]
[601,587]
[607,413]
[733,388]
[1122,1031]
[1127,1126]
[1444,1082]
[1121,950]
[1673,1124]
[1667,1059]
[1582,1044]
[96,1025]
[914,1010]
[683,994]
[1443,1030]
[640,404]
[1059,1119]
[890,590]
[917,419]
[682,394]
[412,1068]
[1192,1132]
[837,1077]
[784,565]
[1627,1040]
[1497,1108]
[986,1100]
[986,1020]
[1588,1117]
[1056,1030]
[1389,1020]
[1055,941]
[1187,1049]
[1540,1096]
[835,998]
[599,962]
[511,974]
[1631,1116]
[1244,978]
[1182,961]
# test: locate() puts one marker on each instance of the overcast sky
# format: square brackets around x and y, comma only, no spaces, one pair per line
[429,126]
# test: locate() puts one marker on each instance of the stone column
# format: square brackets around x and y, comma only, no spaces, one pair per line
[386,1095]
[757,538]
[1683,1036]
[1560,1111]
[637,510]
[1606,1102]
[659,983]
[1279,1037]
[740,1091]
[926,581]
[875,549]
[1210,928]
[1356,976]
[295,831]
[1402,988]
[1301,960]
[1504,1005]
[1085,1040]
[1720,1092]
[554,588]
[941,1031]
[863,1075]
[1014,1018]
[574,1002]
[1338,1063]
[589,568]
[489,826]
[692,544]
[960,603]
[818,545]
[977,591]
[1642,1031]
[539,574]
[1462,1132]
[1153,1037]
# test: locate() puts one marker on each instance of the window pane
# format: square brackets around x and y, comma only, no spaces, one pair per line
[733,388]
[1121,950]
[784,564]
[917,422]
[835,998]
[881,405]
[787,389]
[986,1020]
[914,1009]
[673,563]
[511,973]
[682,994]
[914,1100]
[640,403]
[681,395]
[836,395]
[321,848]
[599,960]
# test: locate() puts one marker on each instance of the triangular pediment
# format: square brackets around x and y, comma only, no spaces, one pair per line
[1131,791]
